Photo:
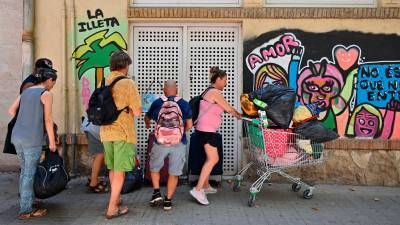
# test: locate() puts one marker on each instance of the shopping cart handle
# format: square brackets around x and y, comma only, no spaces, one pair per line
[251,120]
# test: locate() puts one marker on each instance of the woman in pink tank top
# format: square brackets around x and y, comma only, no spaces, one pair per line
[209,120]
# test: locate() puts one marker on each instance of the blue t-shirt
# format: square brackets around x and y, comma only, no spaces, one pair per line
[183,105]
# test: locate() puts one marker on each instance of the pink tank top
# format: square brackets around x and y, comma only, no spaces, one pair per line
[211,120]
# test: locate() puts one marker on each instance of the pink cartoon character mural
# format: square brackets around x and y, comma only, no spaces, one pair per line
[321,82]
[367,121]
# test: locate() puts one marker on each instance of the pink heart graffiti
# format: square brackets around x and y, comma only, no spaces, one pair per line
[346,57]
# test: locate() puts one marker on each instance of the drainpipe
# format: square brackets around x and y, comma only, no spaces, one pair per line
[75,90]
[65,70]
[65,86]
[27,38]
[64,147]
[74,143]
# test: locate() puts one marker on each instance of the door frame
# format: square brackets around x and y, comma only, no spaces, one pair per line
[185,69]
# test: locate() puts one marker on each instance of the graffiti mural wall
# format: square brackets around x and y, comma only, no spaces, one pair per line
[99,32]
[355,77]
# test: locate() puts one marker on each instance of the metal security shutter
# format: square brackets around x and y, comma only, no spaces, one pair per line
[185,52]
[217,46]
[157,55]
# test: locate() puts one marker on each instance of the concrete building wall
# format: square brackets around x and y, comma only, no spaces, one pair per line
[10,67]
[49,41]
[63,28]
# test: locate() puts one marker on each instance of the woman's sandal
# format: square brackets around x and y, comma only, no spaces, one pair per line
[36,204]
[34,214]
[102,182]
[98,189]
[122,210]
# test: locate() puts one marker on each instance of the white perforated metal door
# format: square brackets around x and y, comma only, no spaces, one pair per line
[157,56]
[217,46]
[185,53]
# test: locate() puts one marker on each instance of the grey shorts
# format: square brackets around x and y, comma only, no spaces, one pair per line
[94,145]
[176,156]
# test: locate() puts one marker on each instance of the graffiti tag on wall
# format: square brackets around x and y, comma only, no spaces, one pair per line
[358,98]
[100,37]
[97,21]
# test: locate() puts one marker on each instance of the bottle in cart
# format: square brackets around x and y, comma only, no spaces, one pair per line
[260,104]
[263,117]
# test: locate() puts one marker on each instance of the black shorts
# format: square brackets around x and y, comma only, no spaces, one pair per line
[210,138]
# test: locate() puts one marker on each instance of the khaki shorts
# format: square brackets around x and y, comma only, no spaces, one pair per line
[176,155]
[94,145]
[119,155]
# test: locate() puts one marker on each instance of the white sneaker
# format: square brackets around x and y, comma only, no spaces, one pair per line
[200,196]
[210,190]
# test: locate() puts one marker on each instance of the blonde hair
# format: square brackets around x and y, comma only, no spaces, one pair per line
[274,71]
[371,109]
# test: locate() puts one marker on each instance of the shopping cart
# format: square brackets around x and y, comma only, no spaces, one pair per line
[272,151]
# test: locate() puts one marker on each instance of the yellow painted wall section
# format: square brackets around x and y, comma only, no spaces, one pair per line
[49,41]
[101,28]
[57,36]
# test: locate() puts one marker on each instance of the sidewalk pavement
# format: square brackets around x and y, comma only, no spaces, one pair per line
[276,204]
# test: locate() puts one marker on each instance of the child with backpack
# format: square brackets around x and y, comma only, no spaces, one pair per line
[117,131]
[173,118]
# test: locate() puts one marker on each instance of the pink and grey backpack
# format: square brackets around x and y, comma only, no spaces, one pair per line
[169,128]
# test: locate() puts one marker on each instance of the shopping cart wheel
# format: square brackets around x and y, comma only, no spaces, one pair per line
[307,194]
[252,201]
[296,187]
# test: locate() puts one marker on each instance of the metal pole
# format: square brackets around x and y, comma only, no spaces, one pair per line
[27,37]
[74,145]
[64,147]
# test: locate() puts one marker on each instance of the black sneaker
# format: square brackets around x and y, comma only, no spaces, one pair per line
[156,199]
[167,204]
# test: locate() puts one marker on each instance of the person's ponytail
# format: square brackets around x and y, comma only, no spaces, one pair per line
[44,74]
[216,73]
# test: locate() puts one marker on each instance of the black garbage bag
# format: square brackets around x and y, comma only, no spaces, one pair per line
[50,177]
[316,132]
[133,180]
[280,100]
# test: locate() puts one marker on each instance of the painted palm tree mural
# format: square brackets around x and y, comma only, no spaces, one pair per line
[95,53]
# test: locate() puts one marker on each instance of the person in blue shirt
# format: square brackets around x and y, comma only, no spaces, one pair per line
[176,153]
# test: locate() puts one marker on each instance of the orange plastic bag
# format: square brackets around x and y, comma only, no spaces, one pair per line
[248,106]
